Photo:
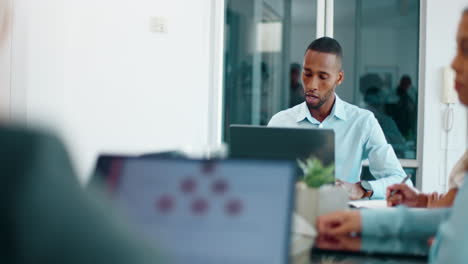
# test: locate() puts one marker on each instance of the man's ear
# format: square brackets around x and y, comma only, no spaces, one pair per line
[340,78]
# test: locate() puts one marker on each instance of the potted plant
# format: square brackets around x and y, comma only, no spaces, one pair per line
[316,193]
[315,174]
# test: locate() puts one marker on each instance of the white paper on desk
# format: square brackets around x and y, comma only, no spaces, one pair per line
[301,244]
[302,226]
[368,204]
[303,235]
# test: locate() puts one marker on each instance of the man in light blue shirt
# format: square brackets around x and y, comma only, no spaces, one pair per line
[358,135]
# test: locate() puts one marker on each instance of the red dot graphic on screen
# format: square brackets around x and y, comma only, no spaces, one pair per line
[199,206]
[220,187]
[165,203]
[188,186]
[234,207]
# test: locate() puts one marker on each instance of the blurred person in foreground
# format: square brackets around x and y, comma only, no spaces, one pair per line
[46,216]
[449,224]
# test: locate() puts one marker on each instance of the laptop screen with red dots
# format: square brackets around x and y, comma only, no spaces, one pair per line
[217,211]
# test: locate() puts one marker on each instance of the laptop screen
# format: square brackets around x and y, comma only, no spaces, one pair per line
[282,143]
[305,144]
[226,211]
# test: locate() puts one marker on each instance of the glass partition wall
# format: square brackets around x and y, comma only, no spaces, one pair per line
[265,41]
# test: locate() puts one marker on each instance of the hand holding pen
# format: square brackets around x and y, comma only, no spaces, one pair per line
[403,194]
[402,182]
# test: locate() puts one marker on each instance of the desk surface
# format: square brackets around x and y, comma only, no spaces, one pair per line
[345,249]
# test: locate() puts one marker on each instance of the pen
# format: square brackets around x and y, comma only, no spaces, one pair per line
[403,181]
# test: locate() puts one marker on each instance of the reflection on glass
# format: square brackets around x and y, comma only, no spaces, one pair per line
[380,41]
[303,31]
[265,42]
[296,90]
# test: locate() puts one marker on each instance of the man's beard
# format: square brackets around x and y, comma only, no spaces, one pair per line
[322,101]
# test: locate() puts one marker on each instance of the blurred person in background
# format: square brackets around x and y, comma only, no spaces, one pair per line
[296,92]
[405,112]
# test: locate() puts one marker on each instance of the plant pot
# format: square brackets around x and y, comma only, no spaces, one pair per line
[313,202]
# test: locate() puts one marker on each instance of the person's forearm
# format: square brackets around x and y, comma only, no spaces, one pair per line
[402,221]
[422,200]
[445,200]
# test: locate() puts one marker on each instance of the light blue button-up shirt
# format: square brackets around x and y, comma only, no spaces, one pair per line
[358,137]
[451,243]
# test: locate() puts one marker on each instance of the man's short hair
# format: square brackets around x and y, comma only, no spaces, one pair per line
[327,45]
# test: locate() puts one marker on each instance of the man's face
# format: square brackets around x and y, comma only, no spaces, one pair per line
[460,62]
[320,76]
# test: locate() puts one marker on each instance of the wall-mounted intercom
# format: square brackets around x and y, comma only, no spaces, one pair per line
[449,95]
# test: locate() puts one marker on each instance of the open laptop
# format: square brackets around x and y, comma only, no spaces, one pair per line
[259,142]
[206,211]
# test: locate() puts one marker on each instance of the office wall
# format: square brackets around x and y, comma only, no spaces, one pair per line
[5,58]
[438,50]
[93,71]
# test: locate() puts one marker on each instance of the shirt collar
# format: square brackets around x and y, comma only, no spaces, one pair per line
[337,111]
[339,108]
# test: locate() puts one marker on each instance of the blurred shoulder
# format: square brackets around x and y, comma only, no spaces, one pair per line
[18,140]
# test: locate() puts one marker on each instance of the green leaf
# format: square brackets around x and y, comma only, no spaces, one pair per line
[315,174]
